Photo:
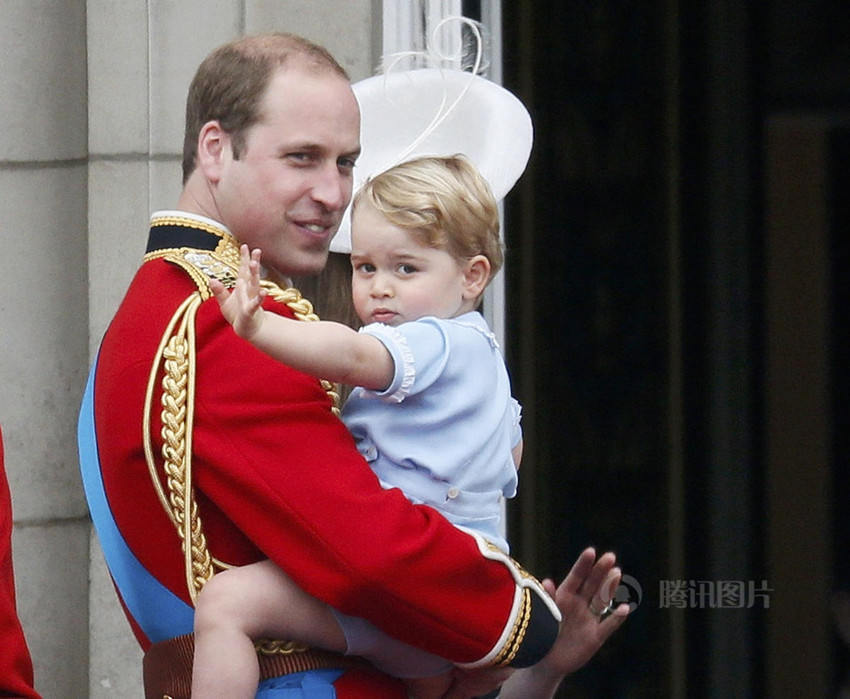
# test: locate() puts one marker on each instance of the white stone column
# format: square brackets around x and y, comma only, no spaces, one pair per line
[43,328]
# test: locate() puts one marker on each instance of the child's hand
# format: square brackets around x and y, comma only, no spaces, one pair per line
[242,307]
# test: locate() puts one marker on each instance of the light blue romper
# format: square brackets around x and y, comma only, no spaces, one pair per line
[442,432]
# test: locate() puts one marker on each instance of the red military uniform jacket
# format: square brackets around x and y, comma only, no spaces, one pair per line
[16,677]
[200,437]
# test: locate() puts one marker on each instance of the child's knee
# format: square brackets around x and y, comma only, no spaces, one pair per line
[219,602]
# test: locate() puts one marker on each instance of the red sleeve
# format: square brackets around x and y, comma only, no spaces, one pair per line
[16,676]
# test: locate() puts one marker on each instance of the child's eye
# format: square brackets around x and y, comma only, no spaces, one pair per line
[407,269]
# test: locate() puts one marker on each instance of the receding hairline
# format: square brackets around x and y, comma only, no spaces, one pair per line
[281,49]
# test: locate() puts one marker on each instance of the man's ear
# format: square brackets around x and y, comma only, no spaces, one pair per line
[213,150]
[476,274]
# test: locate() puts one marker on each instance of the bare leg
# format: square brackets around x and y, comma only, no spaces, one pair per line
[241,605]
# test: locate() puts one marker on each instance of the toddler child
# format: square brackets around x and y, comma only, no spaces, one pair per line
[432,410]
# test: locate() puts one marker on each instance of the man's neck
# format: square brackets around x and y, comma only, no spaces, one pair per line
[196,198]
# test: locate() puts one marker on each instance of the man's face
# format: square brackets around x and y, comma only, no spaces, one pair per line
[287,192]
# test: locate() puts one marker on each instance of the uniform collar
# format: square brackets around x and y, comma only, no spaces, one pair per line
[181,229]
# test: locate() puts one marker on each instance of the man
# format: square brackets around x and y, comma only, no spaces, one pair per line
[16,677]
[199,452]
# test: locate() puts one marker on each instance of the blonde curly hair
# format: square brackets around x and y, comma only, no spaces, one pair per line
[445,200]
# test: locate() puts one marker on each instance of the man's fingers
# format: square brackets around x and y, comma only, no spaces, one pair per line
[593,583]
[578,573]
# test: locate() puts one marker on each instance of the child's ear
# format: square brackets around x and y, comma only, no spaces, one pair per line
[476,274]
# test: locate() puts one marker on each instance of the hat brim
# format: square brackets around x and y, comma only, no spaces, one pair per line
[485,122]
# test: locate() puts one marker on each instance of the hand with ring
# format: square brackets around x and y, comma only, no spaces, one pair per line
[590,616]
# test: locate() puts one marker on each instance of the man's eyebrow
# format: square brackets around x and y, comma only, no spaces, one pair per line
[313,148]
[302,146]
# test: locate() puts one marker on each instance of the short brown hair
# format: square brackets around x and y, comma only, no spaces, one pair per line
[230,84]
[446,200]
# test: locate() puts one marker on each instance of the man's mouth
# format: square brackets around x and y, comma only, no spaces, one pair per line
[317,228]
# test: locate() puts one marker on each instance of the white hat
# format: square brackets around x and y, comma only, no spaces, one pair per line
[433,111]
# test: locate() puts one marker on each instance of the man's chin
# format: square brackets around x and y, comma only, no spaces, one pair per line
[304,265]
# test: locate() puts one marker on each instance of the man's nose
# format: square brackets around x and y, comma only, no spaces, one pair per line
[332,188]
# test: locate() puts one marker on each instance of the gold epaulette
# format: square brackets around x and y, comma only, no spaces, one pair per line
[203,265]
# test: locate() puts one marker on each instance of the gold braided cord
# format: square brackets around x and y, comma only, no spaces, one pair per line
[333,391]
[519,628]
[178,401]
[511,647]
[200,563]
[270,647]
[177,358]
[175,361]
[188,222]
[290,296]
[146,418]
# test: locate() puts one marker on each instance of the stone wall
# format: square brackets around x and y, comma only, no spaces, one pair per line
[91,118]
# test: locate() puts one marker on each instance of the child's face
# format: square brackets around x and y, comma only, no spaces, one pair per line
[396,278]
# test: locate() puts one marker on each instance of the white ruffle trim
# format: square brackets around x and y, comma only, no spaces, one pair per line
[409,369]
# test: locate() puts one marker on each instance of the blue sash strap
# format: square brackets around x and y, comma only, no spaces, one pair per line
[314,684]
[158,611]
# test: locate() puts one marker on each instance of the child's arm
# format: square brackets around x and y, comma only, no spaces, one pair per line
[516,452]
[329,350]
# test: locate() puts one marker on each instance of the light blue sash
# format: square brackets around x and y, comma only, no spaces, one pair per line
[158,611]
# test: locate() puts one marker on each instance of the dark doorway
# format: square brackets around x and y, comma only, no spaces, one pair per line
[650,322]
[588,309]
[633,316]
